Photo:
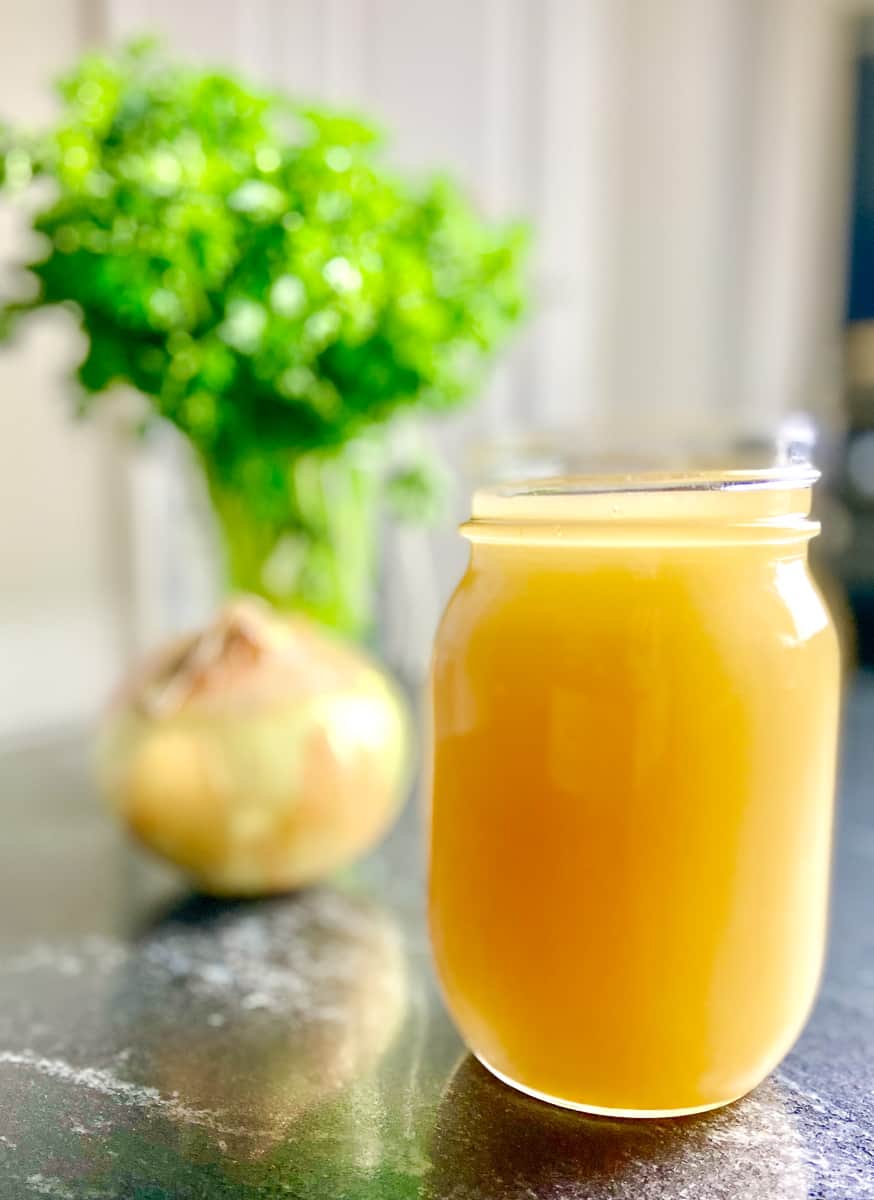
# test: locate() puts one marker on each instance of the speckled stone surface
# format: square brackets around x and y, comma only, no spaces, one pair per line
[157,1045]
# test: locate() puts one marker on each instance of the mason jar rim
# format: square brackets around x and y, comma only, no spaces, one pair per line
[786,478]
[746,504]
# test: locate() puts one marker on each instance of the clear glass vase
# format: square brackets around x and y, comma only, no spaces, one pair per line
[303,534]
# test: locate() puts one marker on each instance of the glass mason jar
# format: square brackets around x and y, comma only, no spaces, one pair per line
[635,702]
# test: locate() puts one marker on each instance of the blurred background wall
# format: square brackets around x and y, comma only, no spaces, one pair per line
[686,165]
[59,601]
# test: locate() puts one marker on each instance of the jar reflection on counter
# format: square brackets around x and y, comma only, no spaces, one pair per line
[635,696]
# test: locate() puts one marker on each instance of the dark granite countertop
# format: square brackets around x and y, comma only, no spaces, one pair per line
[155,1045]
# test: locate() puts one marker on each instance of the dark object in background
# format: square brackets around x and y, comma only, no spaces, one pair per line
[853,478]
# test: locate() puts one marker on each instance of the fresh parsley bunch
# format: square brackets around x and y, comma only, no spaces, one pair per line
[252,268]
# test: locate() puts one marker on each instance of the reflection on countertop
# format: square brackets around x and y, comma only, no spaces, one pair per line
[484,1131]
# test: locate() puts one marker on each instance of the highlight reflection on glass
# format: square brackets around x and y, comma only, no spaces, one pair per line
[635,697]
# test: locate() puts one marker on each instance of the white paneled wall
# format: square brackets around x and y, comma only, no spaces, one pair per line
[683,163]
[682,160]
[61,623]
[795,239]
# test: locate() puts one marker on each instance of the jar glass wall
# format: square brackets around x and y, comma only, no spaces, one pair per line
[635,696]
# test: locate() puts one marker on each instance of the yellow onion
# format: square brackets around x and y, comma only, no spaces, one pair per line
[259,754]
